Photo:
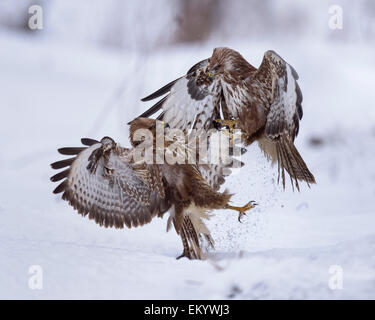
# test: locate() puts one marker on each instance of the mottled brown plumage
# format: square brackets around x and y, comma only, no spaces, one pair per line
[107,183]
[266,103]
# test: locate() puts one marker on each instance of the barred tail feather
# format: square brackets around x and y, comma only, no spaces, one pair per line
[290,160]
[194,233]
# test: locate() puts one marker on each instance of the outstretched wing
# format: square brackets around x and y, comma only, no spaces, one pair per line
[192,102]
[102,182]
[284,115]
[286,107]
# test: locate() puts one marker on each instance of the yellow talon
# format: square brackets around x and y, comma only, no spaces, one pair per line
[231,124]
[242,210]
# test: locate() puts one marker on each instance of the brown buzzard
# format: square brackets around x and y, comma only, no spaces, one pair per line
[265,102]
[103,181]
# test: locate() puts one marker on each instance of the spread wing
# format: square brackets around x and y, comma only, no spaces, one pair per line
[102,182]
[192,102]
[284,115]
[286,106]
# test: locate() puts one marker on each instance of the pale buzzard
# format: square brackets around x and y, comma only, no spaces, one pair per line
[265,102]
[104,182]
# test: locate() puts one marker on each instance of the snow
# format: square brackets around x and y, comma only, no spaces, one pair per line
[52,95]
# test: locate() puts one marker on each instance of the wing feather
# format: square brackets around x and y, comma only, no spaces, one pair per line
[192,102]
[284,115]
[63,163]
[286,106]
[88,142]
[70,151]
[161,91]
[102,183]
[155,108]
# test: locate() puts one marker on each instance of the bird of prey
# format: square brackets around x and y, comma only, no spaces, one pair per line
[265,104]
[107,183]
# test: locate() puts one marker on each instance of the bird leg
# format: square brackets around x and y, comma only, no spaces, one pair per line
[230,125]
[242,210]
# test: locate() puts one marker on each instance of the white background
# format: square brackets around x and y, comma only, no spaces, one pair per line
[84,74]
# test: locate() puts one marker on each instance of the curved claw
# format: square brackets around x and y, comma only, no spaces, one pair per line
[240,216]
[184,254]
[250,205]
[242,210]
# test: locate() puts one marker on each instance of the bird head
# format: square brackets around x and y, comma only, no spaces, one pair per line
[147,124]
[229,62]
[220,62]
[213,72]
[107,144]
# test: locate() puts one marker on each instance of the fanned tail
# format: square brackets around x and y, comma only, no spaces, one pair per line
[290,160]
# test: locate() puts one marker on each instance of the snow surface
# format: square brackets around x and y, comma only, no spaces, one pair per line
[52,95]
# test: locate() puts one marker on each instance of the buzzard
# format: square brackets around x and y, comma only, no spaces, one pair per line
[107,183]
[265,104]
